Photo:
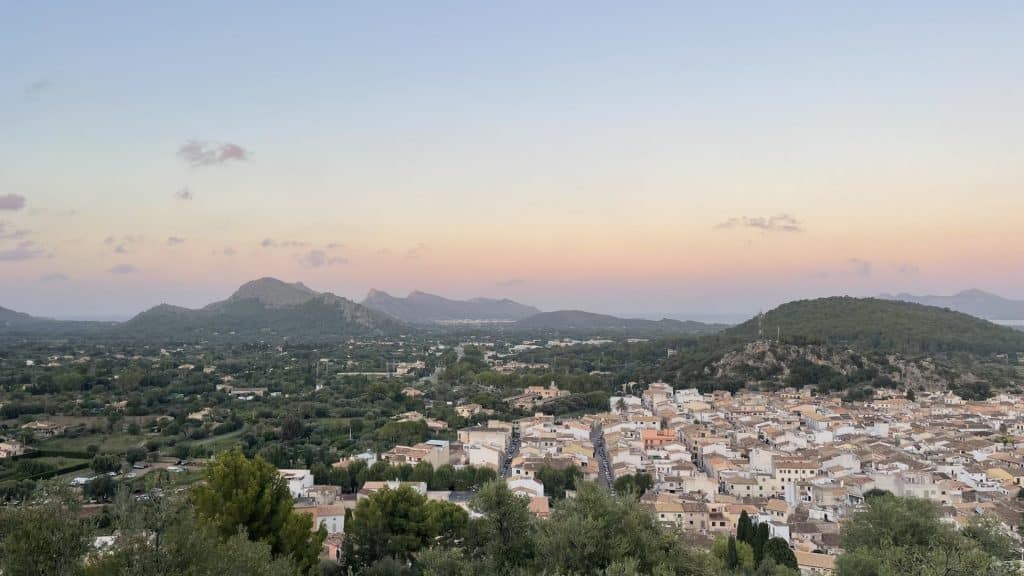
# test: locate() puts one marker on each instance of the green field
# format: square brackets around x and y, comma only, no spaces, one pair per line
[119,442]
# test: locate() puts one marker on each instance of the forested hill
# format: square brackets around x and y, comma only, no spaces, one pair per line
[265,307]
[888,325]
[10,317]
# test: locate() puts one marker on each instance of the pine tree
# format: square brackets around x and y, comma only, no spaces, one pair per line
[761,536]
[745,528]
[778,550]
[732,558]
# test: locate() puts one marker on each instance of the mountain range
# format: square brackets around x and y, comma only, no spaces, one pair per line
[422,308]
[271,307]
[578,321]
[267,306]
[974,302]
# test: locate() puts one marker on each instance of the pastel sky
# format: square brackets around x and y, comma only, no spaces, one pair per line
[661,157]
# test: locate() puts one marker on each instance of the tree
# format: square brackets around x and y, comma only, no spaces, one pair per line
[905,536]
[165,538]
[758,541]
[103,463]
[445,562]
[251,494]
[422,472]
[557,481]
[744,553]
[588,533]
[292,428]
[876,492]
[892,521]
[778,550]
[444,478]
[447,522]
[392,524]
[135,454]
[744,528]
[483,475]
[102,487]
[732,558]
[637,484]
[988,533]
[46,539]
[503,538]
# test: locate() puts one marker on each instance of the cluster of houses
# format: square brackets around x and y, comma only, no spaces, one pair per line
[799,463]
[802,464]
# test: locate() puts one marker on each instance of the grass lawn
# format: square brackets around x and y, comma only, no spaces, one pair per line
[217,444]
[55,462]
[117,442]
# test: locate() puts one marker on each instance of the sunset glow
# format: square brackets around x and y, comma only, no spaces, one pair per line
[479,151]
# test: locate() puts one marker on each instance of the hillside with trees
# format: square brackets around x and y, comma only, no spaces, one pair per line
[875,324]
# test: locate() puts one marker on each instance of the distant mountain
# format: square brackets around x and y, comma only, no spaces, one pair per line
[423,308]
[266,306]
[578,321]
[11,318]
[19,324]
[887,325]
[974,302]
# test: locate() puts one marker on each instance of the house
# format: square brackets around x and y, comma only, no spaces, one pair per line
[369,457]
[486,435]
[470,410]
[484,455]
[527,487]
[656,438]
[330,517]
[540,506]
[436,452]
[536,395]
[199,414]
[43,429]
[299,481]
[811,564]
[10,448]
[371,487]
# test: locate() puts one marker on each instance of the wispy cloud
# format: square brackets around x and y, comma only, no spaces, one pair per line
[184,194]
[510,283]
[778,223]
[319,259]
[12,202]
[123,269]
[38,88]
[199,153]
[8,233]
[24,250]
[416,252]
[53,278]
[228,251]
[271,243]
[859,267]
[907,268]
[123,244]
[175,240]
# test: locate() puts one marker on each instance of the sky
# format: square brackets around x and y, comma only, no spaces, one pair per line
[647,158]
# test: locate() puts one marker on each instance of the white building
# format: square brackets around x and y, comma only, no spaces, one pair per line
[299,481]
